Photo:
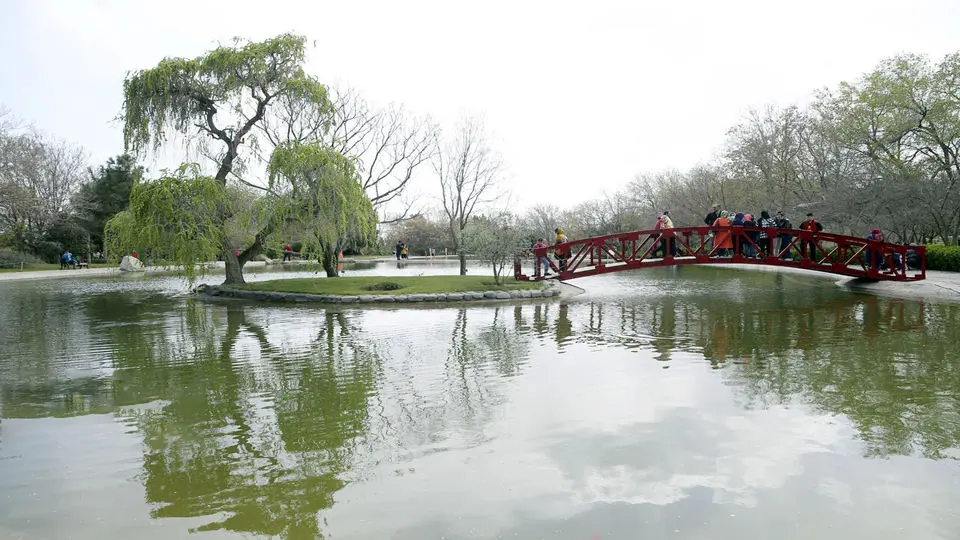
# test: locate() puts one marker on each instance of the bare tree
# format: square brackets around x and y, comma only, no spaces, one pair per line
[389,146]
[542,219]
[38,175]
[468,170]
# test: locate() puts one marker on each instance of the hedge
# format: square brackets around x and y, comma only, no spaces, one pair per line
[940,257]
[13,259]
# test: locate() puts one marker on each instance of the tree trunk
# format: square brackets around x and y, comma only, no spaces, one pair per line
[463,263]
[233,267]
[328,258]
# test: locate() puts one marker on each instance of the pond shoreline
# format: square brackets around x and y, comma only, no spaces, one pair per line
[938,285]
[551,289]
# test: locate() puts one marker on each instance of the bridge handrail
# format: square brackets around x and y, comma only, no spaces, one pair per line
[740,234]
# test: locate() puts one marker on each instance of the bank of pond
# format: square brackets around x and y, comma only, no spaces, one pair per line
[384,289]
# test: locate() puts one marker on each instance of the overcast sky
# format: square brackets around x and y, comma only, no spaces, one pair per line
[577,97]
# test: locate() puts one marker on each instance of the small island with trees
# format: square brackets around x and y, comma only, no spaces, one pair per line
[251,105]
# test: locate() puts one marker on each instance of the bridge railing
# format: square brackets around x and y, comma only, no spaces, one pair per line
[820,251]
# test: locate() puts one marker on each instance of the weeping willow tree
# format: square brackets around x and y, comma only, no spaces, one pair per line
[178,217]
[215,100]
[323,204]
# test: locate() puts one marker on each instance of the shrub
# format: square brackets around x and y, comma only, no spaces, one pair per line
[384,286]
[13,259]
[940,257]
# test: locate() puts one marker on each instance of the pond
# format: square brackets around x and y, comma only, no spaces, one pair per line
[681,403]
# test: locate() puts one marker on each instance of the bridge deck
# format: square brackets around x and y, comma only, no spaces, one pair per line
[825,252]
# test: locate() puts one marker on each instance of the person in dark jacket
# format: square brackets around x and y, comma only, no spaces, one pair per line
[748,247]
[738,241]
[766,242]
[713,215]
[711,218]
[784,236]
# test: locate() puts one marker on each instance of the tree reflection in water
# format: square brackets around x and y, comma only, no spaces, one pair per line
[887,364]
[262,415]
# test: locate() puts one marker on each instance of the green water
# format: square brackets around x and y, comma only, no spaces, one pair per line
[686,403]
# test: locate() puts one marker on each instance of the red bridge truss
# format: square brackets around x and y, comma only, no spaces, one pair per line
[819,251]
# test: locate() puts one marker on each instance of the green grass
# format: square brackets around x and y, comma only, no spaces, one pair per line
[354,286]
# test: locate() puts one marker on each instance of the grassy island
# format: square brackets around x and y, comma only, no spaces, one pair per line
[353,286]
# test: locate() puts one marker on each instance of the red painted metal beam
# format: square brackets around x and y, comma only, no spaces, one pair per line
[823,252]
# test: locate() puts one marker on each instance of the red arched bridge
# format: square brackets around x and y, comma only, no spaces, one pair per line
[808,250]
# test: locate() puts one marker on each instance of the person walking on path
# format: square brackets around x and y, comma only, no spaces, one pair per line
[397,249]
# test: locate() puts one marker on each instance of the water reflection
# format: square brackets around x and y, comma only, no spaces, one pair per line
[259,419]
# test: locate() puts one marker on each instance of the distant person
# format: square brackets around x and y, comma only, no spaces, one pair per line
[540,261]
[814,226]
[561,253]
[766,242]
[667,245]
[738,233]
[749,248]
[784,237]
[403,251]
[712,217]
[397,249]
[875,257]
[67,260]
[287,253]
[913,261]
[723,243]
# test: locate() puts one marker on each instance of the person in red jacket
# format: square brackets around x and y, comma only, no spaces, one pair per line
[810,224]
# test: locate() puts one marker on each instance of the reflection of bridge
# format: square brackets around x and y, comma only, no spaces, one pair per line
[825,252]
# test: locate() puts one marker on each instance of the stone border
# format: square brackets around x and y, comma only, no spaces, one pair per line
[551,289]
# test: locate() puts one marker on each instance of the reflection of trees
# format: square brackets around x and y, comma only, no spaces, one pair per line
[897,386]
[449,384]
[889,365]
[216,448]
[244,427]
[68,348]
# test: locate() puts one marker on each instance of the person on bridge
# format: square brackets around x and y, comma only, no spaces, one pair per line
[766,242]
[737,236]
[713,215]
[561,253]
[814,226]
[667,245]
[540,260]
[754,236]
[710,219]
[723,242]
[875,257]
[785,238]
